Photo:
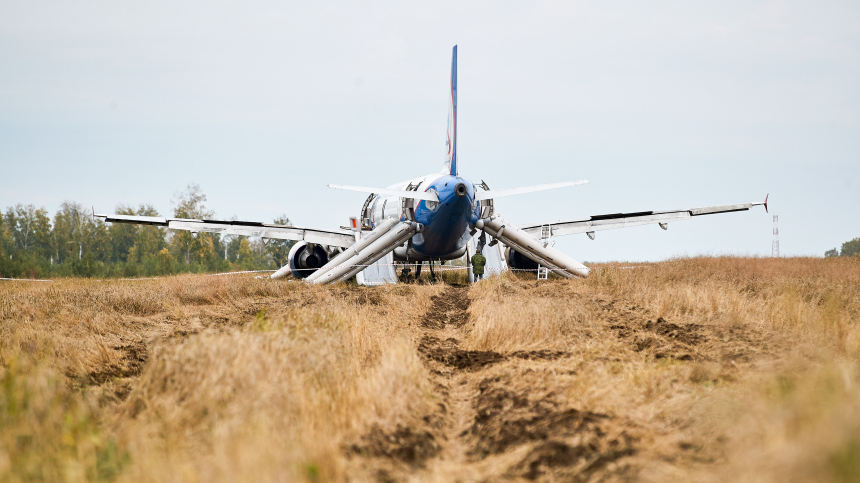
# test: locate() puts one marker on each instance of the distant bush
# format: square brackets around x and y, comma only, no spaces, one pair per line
[849,249]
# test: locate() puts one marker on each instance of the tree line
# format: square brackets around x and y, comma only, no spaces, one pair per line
[849,248]
[73,244]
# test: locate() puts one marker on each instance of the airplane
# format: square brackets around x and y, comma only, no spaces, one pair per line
[435,217]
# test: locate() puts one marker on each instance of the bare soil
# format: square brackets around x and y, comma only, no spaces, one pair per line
[480,415]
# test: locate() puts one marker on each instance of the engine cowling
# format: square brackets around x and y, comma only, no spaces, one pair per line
[305,260]
[518,261]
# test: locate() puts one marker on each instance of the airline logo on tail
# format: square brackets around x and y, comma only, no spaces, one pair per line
[450,166]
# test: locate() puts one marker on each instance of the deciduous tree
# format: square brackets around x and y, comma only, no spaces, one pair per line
[280,249]
[851,248]
[190,204]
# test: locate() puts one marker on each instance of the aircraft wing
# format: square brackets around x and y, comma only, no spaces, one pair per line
[337,238]
[624,220]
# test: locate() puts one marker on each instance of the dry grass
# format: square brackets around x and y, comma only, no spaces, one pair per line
[692,369]
[245,380]
[754,374]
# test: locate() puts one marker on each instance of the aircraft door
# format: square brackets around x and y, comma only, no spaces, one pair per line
[386,207]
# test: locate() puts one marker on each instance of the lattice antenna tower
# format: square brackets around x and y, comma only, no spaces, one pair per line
[774,250]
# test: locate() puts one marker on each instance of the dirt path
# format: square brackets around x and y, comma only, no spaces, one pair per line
[454,383]
[498,419]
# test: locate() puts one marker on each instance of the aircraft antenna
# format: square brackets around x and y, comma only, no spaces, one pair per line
[774,250]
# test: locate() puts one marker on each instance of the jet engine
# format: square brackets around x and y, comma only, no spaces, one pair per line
[306,259]
[518,261]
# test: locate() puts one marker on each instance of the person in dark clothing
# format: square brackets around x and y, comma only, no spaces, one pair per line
[478,262]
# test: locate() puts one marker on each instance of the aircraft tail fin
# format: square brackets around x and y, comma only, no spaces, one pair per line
[450,166]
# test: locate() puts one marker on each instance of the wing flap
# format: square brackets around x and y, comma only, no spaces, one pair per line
[721,209]
[338,238]
[137,220]
[626,220]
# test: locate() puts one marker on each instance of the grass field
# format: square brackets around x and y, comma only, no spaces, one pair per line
[703,369]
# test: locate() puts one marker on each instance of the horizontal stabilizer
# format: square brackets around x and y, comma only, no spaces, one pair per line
[417,195]
[492,194]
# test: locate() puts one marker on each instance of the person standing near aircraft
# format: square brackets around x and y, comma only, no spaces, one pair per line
[478,262]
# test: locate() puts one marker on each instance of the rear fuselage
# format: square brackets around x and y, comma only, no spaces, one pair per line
[446,223]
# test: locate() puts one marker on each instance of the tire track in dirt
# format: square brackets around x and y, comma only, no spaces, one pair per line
[683,340]
[662,339]
[407,450]
[510,416]
[452,370]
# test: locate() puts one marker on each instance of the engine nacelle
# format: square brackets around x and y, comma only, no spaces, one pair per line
[518,261]
[305,261]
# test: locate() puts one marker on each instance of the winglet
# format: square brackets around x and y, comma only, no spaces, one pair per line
[762,203]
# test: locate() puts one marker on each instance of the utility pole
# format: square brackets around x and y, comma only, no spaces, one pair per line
[774,249]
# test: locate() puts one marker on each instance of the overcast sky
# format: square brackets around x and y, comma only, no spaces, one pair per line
[664,106]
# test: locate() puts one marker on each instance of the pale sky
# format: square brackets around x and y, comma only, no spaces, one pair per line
[661,106]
